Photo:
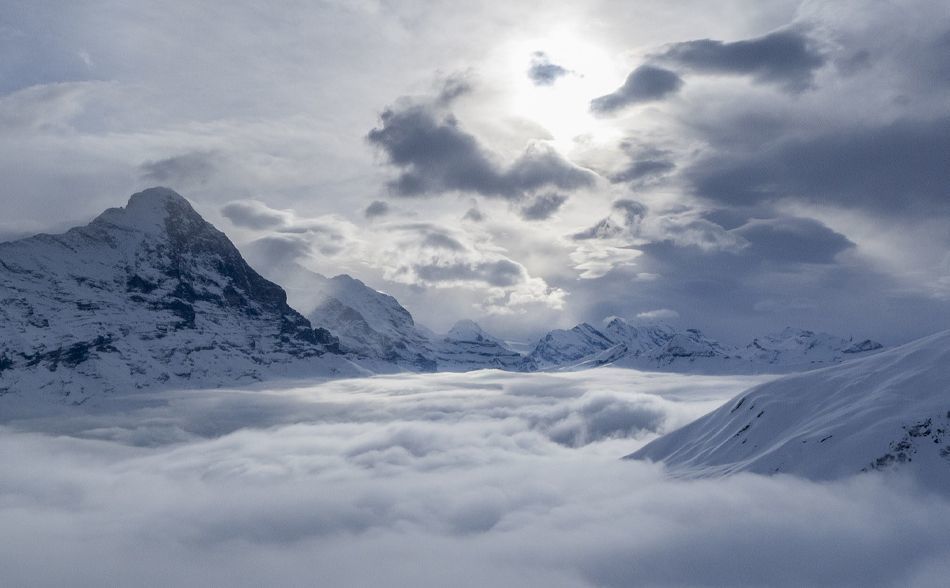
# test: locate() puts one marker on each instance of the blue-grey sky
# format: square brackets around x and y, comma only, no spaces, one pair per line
[736,167]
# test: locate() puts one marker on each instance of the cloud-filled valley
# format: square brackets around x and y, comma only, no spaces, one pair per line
[469,479]
[498,293]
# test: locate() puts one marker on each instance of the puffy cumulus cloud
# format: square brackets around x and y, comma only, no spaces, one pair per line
[542,207]
[618,239]
[431,255]
[788,58]
[420,255]
[543,72]
[660,314]
[471,480]
[647,83]
[436,155]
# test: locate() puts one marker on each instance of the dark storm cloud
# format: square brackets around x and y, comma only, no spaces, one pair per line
[250,214]
[633,211]
[542,207]
[194,167]
[647,83]
[647,163]
[436,155]
[897,168]
[376,209]
[500,273]
[787,58]
[642,169]
[793,239]
[544,73]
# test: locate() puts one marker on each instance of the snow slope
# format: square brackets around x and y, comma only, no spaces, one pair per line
[886,411]
[146,295]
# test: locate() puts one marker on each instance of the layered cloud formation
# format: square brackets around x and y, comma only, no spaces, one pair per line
[472,480]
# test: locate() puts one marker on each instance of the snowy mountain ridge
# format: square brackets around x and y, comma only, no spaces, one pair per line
[661,347]
[374,325]
[145,295]
[888,411]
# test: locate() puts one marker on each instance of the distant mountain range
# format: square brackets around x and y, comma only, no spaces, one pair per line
[660,347]
[153,295]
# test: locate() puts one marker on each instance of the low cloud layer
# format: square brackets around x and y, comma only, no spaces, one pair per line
[469,480]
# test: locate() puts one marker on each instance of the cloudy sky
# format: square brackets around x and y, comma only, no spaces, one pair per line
[736,167]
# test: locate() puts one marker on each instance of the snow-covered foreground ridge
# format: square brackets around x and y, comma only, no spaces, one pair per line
[888,411]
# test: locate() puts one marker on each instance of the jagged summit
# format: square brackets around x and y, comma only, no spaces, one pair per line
[469,330]
[151,210]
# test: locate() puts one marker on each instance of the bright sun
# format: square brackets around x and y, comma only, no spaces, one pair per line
[563,108]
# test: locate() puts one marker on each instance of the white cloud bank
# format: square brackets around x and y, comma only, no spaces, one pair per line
[485,479]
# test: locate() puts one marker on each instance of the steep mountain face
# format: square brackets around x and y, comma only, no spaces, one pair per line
[887,411]
[660,347]
[145,295]
[367,322]
[374,325]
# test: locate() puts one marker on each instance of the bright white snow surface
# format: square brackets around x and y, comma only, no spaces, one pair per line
[481,479]
[885,411]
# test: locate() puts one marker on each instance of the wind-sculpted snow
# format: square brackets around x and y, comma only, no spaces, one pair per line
[481,479]
[889,411]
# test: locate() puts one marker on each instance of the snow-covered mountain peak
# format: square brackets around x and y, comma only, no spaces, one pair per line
[143,295]
[468,330]
[151,211]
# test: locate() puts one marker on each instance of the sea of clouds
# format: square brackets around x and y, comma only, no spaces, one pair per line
[482,479]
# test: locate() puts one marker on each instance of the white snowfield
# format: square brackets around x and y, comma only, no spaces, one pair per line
[887,411]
